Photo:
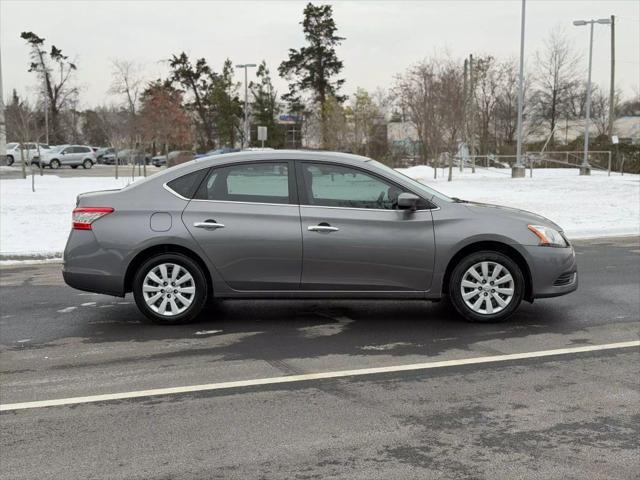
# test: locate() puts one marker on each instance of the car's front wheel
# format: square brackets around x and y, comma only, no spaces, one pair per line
[55,164]
[486,286]
[170,289]
[9,160]
[87,164]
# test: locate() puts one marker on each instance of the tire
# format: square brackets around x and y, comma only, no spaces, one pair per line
[154,267]
[54,164]
[87,164]
[9,160]
[480,300]
[74,166]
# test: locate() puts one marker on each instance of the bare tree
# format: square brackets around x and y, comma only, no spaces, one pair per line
[127,82]
[431,95]
[54,73]
[557,80]
[20,124]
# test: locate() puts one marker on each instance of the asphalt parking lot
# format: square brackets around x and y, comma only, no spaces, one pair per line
[569,414]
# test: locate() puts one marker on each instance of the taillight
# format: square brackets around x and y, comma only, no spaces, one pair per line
[83,217]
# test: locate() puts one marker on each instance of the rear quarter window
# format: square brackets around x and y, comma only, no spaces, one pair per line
[187,185]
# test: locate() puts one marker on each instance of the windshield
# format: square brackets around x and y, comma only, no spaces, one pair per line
[57,148]
[421,187]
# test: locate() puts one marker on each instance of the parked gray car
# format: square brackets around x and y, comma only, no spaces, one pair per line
[71,155]
[297,224]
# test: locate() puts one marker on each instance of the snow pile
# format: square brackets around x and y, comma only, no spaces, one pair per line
[37,224]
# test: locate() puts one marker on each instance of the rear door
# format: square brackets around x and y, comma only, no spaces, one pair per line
[355,238]
[246,218]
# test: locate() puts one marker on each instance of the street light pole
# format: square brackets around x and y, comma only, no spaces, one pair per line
[585,168]
[519,169]
[245,139]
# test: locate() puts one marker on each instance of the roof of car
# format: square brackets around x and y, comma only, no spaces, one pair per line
[284,155]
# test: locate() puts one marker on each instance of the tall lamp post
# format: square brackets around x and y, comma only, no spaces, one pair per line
[245,139]
[519,168]
[585,168]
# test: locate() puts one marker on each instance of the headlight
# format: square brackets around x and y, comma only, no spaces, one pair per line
[548,237]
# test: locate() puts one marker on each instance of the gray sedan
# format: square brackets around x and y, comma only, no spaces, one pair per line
[294,224]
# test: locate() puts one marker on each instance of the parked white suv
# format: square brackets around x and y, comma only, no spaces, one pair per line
[72,155]
[30,152]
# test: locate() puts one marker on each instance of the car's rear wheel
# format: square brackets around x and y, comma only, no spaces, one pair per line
[486,286]
[87,164]
[9,160]
[170,289]
[55,164]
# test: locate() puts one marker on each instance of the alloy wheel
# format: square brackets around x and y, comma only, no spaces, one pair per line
[487,287]
[168,289]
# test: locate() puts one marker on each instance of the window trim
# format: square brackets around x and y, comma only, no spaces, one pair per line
[292,185]
[304,194]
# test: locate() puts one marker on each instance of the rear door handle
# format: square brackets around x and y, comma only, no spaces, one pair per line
[208,224]
[322,228]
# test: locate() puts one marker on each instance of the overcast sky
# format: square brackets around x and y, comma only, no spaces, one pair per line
[382,37]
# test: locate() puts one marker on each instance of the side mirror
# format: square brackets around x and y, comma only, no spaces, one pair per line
[408,201]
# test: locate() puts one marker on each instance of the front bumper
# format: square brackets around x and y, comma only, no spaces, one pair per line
[554,271]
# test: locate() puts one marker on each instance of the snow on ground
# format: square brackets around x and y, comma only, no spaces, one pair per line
[36,224]
[587,206]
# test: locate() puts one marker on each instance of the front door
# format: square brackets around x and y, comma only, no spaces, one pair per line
[246,218]
[355,238]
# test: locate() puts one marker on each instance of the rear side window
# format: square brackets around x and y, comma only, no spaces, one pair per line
[186,185]
[264,182]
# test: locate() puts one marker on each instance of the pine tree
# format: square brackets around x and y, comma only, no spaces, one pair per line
[313,67]
[265,106]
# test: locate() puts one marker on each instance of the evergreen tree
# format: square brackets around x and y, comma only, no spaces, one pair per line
[265,107]
[313,67]
[196,79]
[226,105]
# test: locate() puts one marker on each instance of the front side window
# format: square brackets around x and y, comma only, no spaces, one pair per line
[331,185]
[248,182]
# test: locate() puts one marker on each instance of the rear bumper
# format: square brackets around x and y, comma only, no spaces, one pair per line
[90,267]
[554,271]
[93,282]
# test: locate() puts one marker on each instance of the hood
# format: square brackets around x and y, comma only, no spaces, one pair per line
[511,213]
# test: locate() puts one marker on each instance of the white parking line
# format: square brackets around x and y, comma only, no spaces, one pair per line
[314,376]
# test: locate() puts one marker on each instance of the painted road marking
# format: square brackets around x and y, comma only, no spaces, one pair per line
[314,376]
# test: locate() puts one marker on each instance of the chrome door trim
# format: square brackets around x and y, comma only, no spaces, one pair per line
[211,225]
[168,189]
[322,228]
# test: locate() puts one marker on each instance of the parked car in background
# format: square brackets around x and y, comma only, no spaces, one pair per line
[173,158]
[69,155]
[126,156]
[235,227]
[159,161]
[29,151]
[102,152]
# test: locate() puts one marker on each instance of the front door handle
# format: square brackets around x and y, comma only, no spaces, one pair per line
[323,228]
[208,224]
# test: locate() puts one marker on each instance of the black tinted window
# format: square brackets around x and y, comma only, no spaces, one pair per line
[187,184]
[249,182]
[331,185]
